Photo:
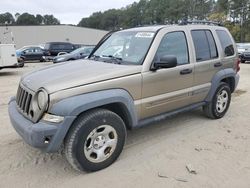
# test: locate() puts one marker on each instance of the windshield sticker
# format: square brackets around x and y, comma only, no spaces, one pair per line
[144,35]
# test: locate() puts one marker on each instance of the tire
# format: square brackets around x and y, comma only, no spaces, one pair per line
[21,63]
[243,61]
[95,140]
[220,103]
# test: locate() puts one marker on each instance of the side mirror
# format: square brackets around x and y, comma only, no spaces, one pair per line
[167,61]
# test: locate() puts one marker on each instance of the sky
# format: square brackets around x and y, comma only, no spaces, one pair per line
[67,11]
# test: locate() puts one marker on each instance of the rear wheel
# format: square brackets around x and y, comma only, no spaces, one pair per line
[21,62]
[243,61]
[42,60]
[95,140]
[219,105]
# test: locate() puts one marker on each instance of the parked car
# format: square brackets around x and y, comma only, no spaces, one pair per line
[79,53]
[244,51]
[30,53]
[8,57]
[53,48]
[160,71]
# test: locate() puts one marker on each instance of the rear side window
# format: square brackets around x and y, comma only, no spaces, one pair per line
[226,42]
[58,47]
[205,47]
[68,46]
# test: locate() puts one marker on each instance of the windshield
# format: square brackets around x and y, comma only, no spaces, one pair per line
[84,50]
[128,47]
[23,48]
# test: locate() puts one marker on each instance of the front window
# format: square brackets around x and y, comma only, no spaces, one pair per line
[174,44]
[126,47]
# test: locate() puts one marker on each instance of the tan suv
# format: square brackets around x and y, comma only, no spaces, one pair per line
[133,77]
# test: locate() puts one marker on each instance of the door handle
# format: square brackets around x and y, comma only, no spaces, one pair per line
[219,64]
[186,71]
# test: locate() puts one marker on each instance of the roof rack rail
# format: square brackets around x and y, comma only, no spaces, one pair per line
[205,22]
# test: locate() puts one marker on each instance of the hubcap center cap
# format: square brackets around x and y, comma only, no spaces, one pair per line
[99,142]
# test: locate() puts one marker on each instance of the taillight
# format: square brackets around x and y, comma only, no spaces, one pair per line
[237,62]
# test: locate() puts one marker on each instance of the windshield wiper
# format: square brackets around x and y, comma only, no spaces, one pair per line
[117,60]
[95,57]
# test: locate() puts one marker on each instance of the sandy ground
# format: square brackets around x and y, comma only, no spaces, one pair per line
[154,156]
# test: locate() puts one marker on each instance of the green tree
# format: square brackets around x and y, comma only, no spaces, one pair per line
[6,18]
[50,20]
[26,19]
[39,19]
[234,14]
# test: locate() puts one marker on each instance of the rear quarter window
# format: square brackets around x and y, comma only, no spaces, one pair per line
[226,42]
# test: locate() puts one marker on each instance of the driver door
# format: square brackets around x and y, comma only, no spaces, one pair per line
[168,89]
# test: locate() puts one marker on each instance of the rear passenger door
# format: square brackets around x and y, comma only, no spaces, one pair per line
[38,53]
[29,54]
[207,62]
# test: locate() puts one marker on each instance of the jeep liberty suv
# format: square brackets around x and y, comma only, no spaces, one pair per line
[132,78]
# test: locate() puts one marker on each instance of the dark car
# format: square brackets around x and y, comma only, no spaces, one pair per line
[244,51]
[79,53]
[30,53]
[53,48]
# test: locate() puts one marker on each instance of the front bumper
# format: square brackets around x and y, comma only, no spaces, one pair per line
[43,135]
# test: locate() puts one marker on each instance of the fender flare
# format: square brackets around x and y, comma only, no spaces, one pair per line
[220,75]
[75,105]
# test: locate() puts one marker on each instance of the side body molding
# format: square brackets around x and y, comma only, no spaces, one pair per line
[220,75]
[75,105]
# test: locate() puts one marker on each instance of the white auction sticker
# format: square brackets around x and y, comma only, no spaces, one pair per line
[144,35]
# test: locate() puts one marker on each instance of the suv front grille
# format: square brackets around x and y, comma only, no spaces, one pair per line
[23,100]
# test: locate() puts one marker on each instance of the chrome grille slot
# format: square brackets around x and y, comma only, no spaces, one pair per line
[23,100]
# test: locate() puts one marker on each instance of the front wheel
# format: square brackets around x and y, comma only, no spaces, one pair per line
[219,105]
[95,140]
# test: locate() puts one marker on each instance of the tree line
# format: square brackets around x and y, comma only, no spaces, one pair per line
[27,19]
[234,14]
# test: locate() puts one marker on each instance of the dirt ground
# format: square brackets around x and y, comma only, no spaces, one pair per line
[154,156]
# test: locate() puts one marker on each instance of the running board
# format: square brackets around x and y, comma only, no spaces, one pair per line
[164,116]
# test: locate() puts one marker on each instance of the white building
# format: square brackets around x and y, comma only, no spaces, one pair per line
[35,35]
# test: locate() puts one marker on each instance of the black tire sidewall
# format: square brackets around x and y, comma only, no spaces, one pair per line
[223,86]
[88,126]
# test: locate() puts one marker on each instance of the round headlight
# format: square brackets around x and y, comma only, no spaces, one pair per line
[42,99]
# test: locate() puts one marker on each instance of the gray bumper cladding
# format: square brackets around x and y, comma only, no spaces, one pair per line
[42,135]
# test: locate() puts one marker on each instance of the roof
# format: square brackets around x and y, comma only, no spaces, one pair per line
[155,28]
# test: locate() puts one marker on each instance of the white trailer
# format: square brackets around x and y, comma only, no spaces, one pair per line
[8,57]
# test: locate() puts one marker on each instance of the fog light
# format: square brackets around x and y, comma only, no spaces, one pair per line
[52,118]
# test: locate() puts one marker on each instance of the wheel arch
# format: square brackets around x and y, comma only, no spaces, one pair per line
[226,75]
[118,101]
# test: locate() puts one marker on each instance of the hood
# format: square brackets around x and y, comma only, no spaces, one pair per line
[66,56]
[75,73]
